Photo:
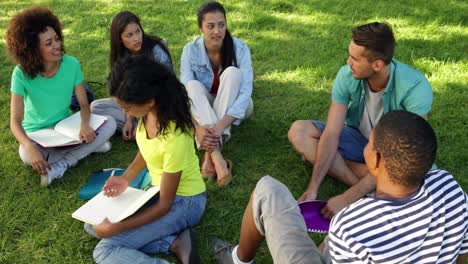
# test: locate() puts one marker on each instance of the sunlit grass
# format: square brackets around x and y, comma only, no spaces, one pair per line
[297,48]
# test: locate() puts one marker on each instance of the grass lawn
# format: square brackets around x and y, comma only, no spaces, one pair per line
[297,48]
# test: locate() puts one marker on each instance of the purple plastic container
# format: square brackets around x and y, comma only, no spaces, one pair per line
[310,210]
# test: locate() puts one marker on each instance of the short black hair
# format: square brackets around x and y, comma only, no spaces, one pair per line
[408,145]
[378,40]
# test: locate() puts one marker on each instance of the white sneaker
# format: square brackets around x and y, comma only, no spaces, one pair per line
[104,148]
[56,171]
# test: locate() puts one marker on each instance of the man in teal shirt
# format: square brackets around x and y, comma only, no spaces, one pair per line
[371,84]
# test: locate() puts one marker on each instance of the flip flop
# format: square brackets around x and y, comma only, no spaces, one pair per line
[227,179]
[207,173]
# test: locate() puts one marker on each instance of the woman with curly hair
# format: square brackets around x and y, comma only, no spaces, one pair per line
[217,71]
[149,91]
[127,37]
[42,85]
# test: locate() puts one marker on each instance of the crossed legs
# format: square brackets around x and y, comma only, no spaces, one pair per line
[305,136]
[207,110]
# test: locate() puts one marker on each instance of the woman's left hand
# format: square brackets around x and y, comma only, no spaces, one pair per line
[218,129]
[106,229]
[87,134]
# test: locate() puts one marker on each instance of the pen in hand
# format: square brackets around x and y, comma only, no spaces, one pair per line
[105,188]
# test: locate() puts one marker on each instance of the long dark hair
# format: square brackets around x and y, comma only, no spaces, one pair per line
[22,37]
[117,48]
[228,53]
[138,79]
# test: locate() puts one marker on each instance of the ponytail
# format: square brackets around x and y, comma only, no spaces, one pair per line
[228,52]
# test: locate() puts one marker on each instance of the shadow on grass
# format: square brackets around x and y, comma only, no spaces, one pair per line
[449,118]
[295,60]
[258,147]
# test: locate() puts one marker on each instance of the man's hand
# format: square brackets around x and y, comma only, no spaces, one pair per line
[207,137]
[87,134]
[334,205]
[106,229]
[307,196]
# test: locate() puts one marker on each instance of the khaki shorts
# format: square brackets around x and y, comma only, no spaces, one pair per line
[278,218]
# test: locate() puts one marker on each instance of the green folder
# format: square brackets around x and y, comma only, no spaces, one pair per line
[94,185]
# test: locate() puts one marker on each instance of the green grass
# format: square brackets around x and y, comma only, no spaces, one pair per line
[297,48]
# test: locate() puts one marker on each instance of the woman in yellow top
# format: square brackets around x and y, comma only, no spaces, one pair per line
[147,90]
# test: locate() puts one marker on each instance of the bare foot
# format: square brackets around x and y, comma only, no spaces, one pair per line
[224,174]
[184,248]
[222,167]
[208,168]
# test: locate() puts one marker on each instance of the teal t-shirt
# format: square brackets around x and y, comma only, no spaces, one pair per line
[407,89]
[47,100]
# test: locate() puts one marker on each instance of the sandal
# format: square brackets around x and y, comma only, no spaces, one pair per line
[207,173]
[227,179]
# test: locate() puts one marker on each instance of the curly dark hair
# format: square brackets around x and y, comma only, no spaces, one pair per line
[136,79]
[378,40]
[22,37]
[408,145]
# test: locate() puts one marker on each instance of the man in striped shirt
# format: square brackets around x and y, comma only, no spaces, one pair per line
[418,215]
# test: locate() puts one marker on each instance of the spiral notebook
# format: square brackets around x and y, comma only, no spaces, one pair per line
[315,222]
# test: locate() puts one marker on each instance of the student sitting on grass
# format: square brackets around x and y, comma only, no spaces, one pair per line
[371,84]
[149,91]
[418,215]
[41,91]
[216,70]
[128,37]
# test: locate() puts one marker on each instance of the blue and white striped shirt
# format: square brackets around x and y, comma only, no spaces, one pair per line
[430,226]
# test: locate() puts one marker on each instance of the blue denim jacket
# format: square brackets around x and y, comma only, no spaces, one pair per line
[161,56]
[195,65]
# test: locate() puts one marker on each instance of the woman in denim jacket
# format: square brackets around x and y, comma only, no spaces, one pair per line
[216,70]
[128,37]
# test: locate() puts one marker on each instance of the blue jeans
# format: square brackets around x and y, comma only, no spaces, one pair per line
[156,237]
[352,142]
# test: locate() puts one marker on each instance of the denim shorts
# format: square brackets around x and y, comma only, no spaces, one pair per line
[352,142]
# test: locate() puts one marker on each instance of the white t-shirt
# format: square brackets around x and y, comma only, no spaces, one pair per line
[373,111]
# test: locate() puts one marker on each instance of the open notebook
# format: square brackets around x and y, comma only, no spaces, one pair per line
[315,222]
[114,208]
[66,132]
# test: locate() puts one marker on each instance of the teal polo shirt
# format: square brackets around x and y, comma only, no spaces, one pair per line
[407,89]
